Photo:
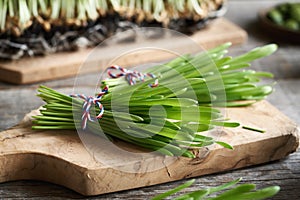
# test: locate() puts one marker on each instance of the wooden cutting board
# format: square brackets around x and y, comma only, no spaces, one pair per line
[61,65]
[60,157]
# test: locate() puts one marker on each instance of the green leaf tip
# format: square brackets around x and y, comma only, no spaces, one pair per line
[269,49]
[227,191]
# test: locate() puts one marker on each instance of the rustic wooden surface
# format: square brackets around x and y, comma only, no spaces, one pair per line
[50,155]
[29,70]
[17,100]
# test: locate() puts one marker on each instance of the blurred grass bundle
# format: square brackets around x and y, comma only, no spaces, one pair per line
[19,15]
[39,27]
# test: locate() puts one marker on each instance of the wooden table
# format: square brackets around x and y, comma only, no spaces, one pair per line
[18,100]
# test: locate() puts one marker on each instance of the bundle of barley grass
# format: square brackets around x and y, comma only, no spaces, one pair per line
[171,116]
[216,79]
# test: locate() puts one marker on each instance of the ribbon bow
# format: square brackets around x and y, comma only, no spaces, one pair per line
[131,76]
[89,100]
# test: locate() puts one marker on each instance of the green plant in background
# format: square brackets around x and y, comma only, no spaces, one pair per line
[42,27]
[227,191]
[188,103]
[15,16]
[286,15]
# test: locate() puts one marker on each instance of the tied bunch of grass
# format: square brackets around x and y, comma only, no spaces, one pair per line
[15,16]
[171,117]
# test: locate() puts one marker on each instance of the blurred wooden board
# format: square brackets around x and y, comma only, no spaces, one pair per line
[66,64]
[60,156]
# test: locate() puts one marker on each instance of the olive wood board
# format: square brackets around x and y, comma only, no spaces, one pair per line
[60,157]
[66,64]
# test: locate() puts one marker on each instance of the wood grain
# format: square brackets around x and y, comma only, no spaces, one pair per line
[49,156]
[61,65]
